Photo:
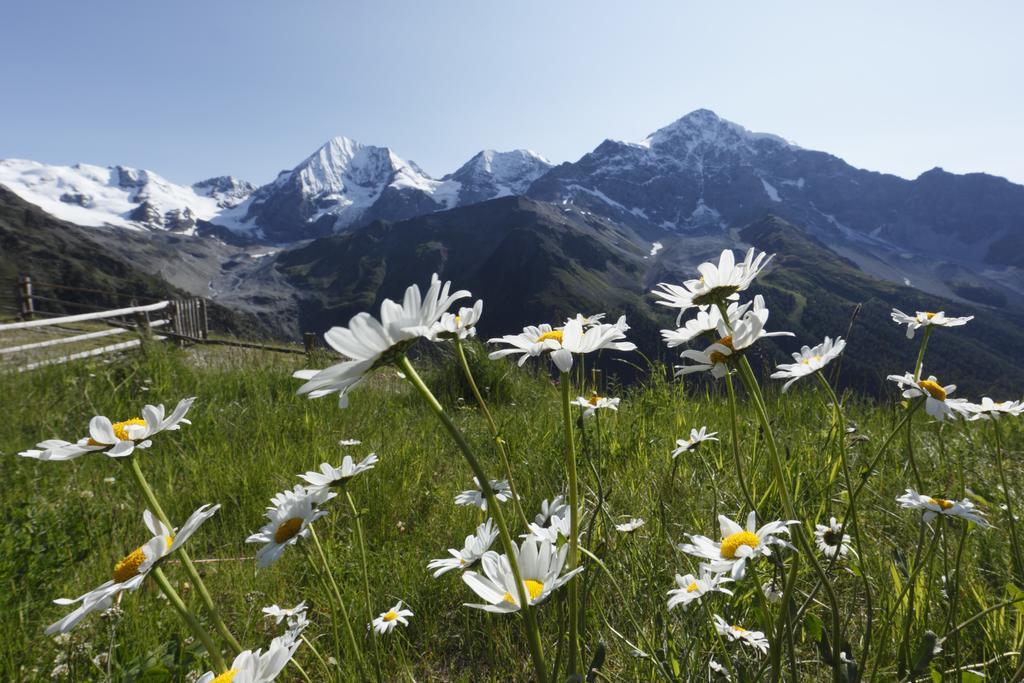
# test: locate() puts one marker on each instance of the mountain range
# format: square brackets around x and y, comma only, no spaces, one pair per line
[351,223]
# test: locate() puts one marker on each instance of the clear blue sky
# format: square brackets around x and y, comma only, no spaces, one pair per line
[192,89]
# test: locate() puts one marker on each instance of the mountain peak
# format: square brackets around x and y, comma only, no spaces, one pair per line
[707,127]
[491,174]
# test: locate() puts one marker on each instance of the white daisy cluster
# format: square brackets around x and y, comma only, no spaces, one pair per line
[578,335]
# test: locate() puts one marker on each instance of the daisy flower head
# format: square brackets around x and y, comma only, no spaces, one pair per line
[563,342]
[540,566]
[461,325]
[692,588]
[937,398]
[596,402]
[717,283]
[697,437]
[933,507]
[747,330]
[472,550]
[630,525]
[256,666]
[754,639]
[502,491]
[115,439]
[279,614]
[707,320]
[554,531]
[809,360]
[288,520]
[831,540]
[369,343]
[993,410]
[335,477]
[738,545]
[131,570]
[387,621]
[926,319]
[556,507]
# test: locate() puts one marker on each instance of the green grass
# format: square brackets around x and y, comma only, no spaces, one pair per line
[67,523]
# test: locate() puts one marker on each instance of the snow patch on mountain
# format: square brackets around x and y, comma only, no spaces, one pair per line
[770,190]
[490,174]
[98,196]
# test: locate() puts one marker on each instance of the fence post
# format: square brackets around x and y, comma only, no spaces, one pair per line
[309,341]
[204,321]
[25,302]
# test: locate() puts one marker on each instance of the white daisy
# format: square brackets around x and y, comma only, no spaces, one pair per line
[556,529]
[831,540]
[461,324]
[279,614]
[349,442]
[387,621]
[926,319]
[754,639]
[707,320]
[369,343]
[557,506]
[932,507]
[540,566]
[116,439]
[472,550]
[129,572]
[256,666]
[738,545]
[743,334]
[329,476]
[562,343]
[596,402]
[692,588]
[937,403]
[992,410]
[697,437]
[718,669]
[631,525]
[502,491]
[716,284]
[288,520]
[809,360]
[772,590]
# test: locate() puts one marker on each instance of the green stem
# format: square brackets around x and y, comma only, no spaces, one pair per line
[494,507]
[1018,562]
[503,451]
[573,558]
[747,373]
[332,604]
[920,353]
[851,509]
[337,593]
[186,561]
[197,629]
[734,421]
[366,579]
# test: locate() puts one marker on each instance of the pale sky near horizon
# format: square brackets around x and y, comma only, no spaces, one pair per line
[192,89]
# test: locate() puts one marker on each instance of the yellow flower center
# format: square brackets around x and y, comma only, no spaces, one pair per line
[534,588]
[287,530]
[942,503]
[733,542]
[929,315]
[121,430]
[553,334]
[933,388]
[226,677]
[692,587]
[738,629]
[594,399]
[390,616]
[718,356]
[128,566]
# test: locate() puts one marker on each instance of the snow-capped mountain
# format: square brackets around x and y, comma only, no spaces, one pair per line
[703,174]
[227,190]
[118,195]
[490,174]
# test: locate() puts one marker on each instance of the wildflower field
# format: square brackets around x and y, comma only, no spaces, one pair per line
[667,530]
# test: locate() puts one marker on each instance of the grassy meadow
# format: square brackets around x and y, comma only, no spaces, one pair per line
[68,523]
